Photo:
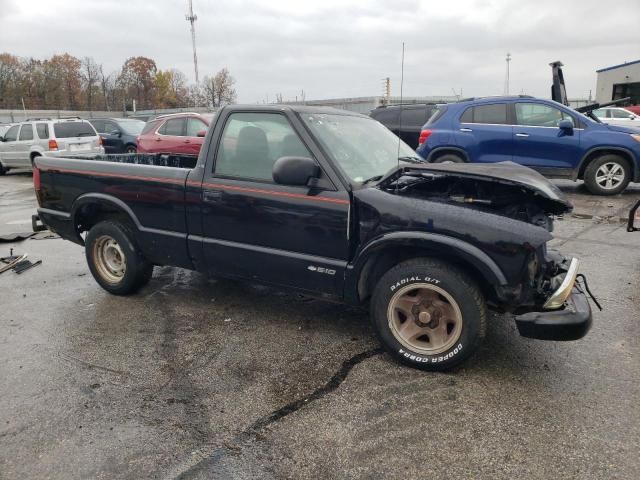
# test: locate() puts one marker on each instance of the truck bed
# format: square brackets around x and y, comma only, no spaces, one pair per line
[153,159]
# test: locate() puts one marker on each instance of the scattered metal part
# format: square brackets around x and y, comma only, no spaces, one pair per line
[12,262]
[16,237]
[26,265]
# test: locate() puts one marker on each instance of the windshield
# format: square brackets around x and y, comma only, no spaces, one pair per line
[132,127]
[362,147]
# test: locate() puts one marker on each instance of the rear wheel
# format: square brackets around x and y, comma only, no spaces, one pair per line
[33,158]
[114,261]
[449,158]
[131,149]
[428,314]
[3,170]
[607,175]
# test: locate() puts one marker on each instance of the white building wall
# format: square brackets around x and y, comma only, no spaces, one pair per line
[606,80]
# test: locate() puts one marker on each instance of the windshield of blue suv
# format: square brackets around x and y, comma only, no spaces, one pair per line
[363,148]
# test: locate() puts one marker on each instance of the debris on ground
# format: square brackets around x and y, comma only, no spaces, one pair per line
[16,237]
[17,263]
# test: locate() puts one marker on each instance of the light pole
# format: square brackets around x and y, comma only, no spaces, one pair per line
[191,18]
[506,83]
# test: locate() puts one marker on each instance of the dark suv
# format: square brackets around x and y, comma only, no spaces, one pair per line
[119,135]
[406,121]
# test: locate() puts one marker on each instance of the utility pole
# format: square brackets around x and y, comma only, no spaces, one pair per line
[506,83]
[191,18]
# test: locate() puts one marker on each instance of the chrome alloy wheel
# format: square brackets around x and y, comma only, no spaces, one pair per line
[610,175]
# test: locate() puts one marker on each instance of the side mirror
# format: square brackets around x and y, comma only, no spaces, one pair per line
[295,170]
[1,138]
[566,126]
[201,133]
[632,117]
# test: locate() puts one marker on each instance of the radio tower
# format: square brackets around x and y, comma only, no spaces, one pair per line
[191,18]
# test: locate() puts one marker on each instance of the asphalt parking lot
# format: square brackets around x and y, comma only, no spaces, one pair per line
[195,378]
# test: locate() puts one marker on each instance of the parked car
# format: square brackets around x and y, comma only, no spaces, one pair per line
[3,128]
[406,121]
[330,203]
[634,109]
[119,135]
[180,133]
[541,134]
[23,142]
[617,116]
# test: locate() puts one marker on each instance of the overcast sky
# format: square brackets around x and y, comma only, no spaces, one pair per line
[341,48]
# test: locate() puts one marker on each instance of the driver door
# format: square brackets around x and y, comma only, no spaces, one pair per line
[294,236]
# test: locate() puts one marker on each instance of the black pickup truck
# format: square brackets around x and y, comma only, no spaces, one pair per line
[331,203]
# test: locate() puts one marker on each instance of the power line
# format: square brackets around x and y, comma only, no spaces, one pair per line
[191,18]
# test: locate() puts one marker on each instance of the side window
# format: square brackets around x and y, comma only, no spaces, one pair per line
[415,117]
[26,132]
[495,113]
[467,116]
[12,134]
[110,127]
[98,125]
[174,127]
[252,142]
[43,131]
[620,114]
[600,113]
[195,125]
[538,115]
[387,116]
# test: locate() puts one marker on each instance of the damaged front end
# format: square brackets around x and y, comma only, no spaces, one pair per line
[549,303]
[506,189]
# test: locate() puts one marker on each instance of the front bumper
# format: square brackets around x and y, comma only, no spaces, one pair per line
[569,323]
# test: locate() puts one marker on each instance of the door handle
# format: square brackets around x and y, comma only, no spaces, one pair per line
[187,141]
[211,196]
[158,139]
[466,130]
[522,134]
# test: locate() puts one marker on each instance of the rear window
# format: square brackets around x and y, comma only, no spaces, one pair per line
[43,131]
[149,126]
[415,117]
[494,113]
[437,114]
[73,129]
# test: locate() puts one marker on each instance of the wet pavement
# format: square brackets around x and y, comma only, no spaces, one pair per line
[195,378]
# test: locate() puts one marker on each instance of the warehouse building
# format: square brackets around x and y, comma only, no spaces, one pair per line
[619,81]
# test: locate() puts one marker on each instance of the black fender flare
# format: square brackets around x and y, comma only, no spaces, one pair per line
[634,161]
[452,148]
[434,242]
[101,199]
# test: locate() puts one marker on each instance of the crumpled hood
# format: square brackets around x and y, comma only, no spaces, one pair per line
[508,173]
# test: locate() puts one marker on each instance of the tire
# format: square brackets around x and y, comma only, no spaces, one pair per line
[3,170]
[114,261]
[433,290]
[130,149]
[606,170]
[449,158]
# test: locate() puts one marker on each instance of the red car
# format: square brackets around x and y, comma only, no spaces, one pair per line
[634,109]
[181,133]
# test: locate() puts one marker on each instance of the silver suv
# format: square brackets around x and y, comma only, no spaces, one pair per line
[22,142]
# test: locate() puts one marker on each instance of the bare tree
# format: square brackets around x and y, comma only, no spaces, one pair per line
[90,77]
[219,90]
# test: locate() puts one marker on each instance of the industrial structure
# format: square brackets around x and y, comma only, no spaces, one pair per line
[191,18]
[619,81]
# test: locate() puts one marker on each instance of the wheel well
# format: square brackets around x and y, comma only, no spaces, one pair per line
[380,263]
[91,214]
[441,153]
[35,154]
[598,153]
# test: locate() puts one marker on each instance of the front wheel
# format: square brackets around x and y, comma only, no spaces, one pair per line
[428,314]
[449,158]
[113,259]
[607,175]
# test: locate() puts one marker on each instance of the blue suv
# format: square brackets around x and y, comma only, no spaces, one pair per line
[541,134]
